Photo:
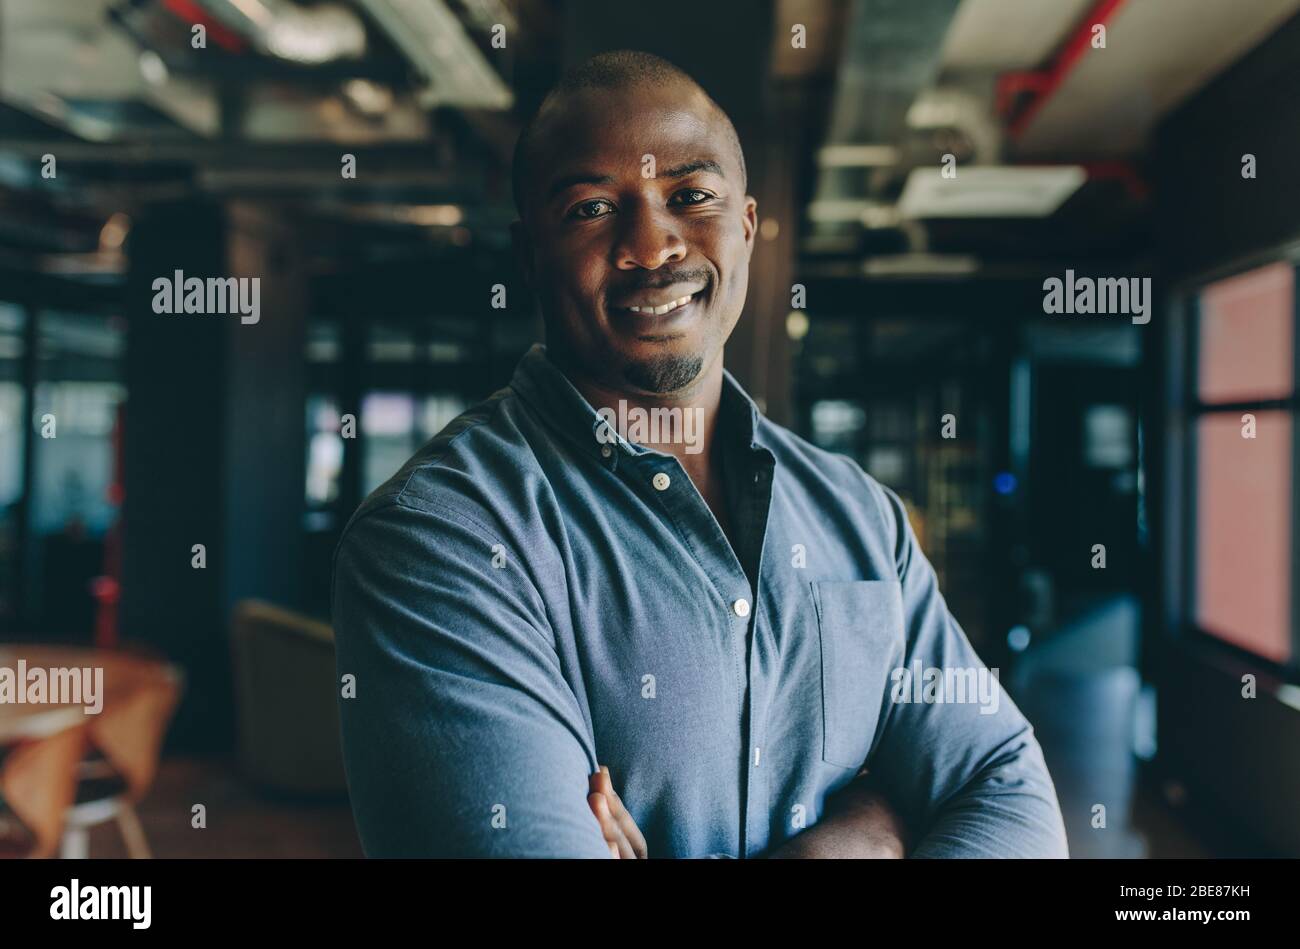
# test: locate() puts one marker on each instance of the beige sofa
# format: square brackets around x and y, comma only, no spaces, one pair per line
[287,700]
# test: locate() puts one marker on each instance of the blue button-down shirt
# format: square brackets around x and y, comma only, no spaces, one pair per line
[527,599]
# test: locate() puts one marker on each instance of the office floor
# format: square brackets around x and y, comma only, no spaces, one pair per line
[240,821]
[244,823]
[1163,829]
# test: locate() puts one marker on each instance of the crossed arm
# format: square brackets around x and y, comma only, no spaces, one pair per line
[860,824]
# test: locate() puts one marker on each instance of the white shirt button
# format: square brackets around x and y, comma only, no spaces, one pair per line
[661,481]
[606,451]
[741,607]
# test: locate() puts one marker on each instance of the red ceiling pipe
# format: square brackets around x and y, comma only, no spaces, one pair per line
[192,13]
[1040,84]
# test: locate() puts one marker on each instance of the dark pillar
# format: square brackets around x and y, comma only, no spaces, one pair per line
[265,427]
[214,448]
[173,447]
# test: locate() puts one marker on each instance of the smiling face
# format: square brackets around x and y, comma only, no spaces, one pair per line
[641,263]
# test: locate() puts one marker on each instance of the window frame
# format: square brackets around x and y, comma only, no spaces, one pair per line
[1189,407]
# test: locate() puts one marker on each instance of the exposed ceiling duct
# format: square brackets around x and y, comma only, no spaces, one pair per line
[964,125]
[309,35]
[891,53]
[435,42]
[265,70]
[138,105]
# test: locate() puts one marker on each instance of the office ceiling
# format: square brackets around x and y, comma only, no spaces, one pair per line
[140,100]
[421,94]
[1008,34]
[1158,53]
[1008,89]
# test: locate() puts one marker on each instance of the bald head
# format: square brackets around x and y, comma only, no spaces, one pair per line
[631,188]
[620,72]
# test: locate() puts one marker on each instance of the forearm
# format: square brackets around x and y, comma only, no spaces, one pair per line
[1008,809]
[996,826]
[859,824]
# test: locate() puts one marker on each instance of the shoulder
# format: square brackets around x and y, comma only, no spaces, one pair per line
[459,489]
[839,487]
[442,536]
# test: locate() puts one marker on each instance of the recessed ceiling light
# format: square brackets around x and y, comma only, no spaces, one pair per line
[989,191]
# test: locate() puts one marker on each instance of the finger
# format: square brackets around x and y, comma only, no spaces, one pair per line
[620,847]
[625,822]
[599,807]
[606,830]
[625,849]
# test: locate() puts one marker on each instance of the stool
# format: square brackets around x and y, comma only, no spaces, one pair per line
[100,799]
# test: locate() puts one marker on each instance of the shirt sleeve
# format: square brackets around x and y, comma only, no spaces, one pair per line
[971,782]
[463,737]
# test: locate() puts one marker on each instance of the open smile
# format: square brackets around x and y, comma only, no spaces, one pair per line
[663,308]
[653,307]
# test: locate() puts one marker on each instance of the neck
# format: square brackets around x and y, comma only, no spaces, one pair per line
[702,398]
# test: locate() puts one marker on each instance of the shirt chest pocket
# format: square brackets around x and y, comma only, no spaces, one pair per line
[860,631]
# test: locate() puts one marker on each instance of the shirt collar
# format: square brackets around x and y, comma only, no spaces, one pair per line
[541,383]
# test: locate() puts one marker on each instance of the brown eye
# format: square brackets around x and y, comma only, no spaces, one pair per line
[587,210]
[692,196]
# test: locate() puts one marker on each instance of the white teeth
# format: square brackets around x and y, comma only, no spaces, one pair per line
[666,308]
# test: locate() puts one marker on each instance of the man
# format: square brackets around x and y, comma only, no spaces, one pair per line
[682,640]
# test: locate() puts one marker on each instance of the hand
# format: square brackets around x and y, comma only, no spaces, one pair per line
[859,824]
[616,824]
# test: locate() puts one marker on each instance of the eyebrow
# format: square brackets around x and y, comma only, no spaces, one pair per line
[702,164]
[565,182]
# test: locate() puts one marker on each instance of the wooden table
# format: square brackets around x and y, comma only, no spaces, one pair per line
[46,742]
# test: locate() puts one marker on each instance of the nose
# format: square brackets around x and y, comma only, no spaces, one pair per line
[647,239]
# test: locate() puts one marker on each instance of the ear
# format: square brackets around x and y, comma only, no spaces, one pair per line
[521,244]
[749,220]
